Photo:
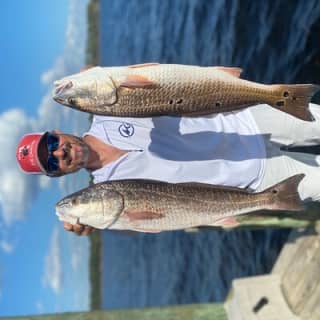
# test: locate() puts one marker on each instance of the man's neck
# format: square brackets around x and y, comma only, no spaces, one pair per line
[100,153]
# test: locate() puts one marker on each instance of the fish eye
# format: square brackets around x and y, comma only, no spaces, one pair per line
[72,101]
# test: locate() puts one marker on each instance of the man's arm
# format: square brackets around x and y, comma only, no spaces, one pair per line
[71,223]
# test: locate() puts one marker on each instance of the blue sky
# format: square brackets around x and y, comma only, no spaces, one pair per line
[43,269]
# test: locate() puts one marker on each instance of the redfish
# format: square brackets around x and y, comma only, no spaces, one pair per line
[153,89]
[152,206]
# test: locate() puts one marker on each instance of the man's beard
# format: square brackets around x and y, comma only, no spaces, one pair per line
[85,151]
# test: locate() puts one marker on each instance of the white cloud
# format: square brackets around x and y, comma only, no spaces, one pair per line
[66,269]
[75,261]
[39,307]
[8,240]
[44,181]
[6,246]
[79,253]
[53,271]
[81,301]
[14,195]
[18,190]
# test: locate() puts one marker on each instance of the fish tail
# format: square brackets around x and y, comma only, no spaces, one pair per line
[294,99]
[285,194]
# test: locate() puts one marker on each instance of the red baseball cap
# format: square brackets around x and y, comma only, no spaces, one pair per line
[27,152]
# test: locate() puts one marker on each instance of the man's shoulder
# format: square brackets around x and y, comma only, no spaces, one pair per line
[100,122]
[99,119]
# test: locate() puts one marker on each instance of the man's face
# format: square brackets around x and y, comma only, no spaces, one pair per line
[72,154]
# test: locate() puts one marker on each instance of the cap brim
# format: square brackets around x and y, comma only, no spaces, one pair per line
[42,153]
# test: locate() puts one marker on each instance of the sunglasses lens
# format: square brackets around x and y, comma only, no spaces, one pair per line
[52,145]
[52,142]
[52,164]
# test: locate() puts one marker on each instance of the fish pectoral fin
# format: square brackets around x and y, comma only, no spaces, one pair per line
[233,71]
[134,215]
[142,65]
[134,81]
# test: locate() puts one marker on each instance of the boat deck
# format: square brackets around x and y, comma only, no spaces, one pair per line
[291,291]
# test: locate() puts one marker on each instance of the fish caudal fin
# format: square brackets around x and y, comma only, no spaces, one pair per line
[285,194]
[295,100]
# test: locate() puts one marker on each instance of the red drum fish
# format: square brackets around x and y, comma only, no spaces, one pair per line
[153,89]
[152,206]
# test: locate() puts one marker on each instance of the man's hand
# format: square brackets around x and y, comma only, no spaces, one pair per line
[78,229]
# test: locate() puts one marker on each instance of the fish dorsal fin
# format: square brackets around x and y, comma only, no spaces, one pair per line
[212,186]
[87,67]
[233,71]
[189,184]
[142,65]
[133,81]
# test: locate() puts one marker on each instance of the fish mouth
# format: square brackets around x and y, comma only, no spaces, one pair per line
[60,91]
[62,207]
[59,100]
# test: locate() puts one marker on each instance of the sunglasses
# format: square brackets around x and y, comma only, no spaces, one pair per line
[52,145]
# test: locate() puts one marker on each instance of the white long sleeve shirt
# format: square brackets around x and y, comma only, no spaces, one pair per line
[223,149]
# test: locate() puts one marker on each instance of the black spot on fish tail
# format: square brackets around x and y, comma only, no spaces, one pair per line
[295,99]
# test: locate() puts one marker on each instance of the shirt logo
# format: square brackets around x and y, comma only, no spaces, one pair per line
[126,129]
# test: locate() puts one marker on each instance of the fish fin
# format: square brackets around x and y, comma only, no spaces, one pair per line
[285,194]
[142,215]
[295,99]
[197,113]
[233,71]
[212,186]
[133,81]
[142,65]
[87,67]
[228,222]
[146,230]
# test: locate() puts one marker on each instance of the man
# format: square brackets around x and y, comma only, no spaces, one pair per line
[246,149]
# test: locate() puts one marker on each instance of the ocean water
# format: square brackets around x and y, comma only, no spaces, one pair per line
[273,41]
